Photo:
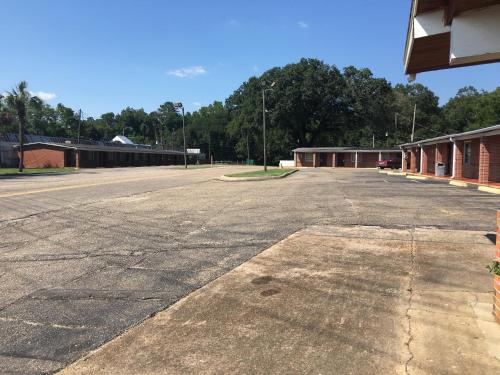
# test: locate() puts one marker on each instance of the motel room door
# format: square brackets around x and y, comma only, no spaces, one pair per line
[340,160]
[323,159]
[69,158]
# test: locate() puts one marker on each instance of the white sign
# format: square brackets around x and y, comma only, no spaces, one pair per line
[193,150]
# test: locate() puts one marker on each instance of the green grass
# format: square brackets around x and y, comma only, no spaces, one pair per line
[15,171]
[261,173]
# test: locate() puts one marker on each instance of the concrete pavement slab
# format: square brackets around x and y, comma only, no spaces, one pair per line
[328,299]
[314,302]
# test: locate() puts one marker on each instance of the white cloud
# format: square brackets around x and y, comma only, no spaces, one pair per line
[303,25]
[45,96]
[188,72]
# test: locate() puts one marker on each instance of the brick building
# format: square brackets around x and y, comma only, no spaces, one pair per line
[59,155]
[349,157]
[472,156]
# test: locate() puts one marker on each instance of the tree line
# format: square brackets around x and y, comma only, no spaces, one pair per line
[310,104]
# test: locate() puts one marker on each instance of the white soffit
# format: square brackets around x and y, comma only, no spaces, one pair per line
[430,23]
[475,36]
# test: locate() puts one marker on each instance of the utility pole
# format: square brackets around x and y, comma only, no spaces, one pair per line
[413,126]
[264,126]
[396,127]
[248,150]
[79,124]
[373,140]
[209,145]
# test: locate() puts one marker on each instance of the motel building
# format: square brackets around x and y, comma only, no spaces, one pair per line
[60,155]
[337,157]
[472,156]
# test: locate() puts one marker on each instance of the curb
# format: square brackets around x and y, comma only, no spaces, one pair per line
[413,177]
[458,183]
[489,189]
[260,178]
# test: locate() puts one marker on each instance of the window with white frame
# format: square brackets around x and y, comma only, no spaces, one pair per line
[308,157]
[467,153]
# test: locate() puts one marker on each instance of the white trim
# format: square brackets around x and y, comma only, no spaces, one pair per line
[421,159]
[453,160]
[469,162]
[479,135]
[486,132]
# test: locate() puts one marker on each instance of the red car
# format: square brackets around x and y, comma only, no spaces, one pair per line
[389,163]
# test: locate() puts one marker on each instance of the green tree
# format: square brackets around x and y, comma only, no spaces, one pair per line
[462,111]
[428,122]
[18,98]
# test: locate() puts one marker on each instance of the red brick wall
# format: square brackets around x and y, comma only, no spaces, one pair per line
[301,160]
[347,160]
[367,160]
[413,160]
[457,163]
[484,161]
[472,170]
[493,145]
[43,158]
[425,165]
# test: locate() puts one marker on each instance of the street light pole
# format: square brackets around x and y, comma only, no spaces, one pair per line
[79,124]
[179,105]
[264,123]
[264,126]
[184,136]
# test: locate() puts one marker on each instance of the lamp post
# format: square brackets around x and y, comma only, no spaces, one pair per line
[264,122]
[177,106]
[79,124]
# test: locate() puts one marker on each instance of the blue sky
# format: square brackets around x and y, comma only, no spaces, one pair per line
[101,56]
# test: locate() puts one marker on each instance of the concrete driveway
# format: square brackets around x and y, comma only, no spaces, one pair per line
[85,257]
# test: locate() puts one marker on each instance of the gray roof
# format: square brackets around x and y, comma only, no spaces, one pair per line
[117,148]
[344,149]
[465,135]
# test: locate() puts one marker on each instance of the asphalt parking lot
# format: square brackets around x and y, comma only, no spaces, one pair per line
[85,256]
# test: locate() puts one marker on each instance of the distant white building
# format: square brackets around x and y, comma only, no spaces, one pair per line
[123,140]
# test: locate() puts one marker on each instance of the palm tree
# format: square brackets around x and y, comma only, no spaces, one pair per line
[18,99]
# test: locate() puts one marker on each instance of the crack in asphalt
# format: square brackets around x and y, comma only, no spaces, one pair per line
[38,324]
[72,206]
[410,299]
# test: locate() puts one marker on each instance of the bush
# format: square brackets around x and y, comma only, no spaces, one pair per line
[494,268]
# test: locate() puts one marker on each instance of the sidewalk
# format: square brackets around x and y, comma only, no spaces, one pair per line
[360,300]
